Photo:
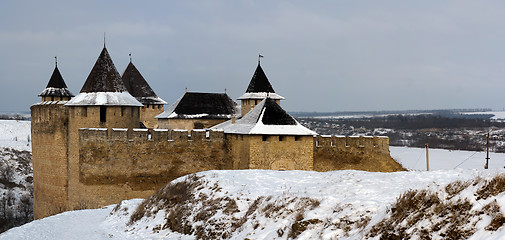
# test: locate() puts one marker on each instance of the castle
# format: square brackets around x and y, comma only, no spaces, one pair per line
[114,140]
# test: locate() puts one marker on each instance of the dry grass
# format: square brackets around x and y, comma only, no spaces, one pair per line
[450,218]
[492,187]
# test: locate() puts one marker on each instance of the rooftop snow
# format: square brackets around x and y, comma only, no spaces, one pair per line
[267,118]
[104,99]
[261,95]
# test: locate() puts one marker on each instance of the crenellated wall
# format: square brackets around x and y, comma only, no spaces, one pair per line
[121,161]
[368,153]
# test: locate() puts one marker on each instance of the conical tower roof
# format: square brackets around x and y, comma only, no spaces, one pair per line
[259,82]
[260,87]
[56,86]
[104,76]
[104,86]
[138,87]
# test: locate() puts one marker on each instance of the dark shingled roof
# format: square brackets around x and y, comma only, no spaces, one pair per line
[259,82]
[56,86]
[138,87]
[104,76]
[201,105]
[275,115]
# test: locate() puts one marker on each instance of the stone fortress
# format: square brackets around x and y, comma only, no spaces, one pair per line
[114,140]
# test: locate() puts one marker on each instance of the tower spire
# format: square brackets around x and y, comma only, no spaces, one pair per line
[259,58]
[103,39]
[130,57]
[56,61]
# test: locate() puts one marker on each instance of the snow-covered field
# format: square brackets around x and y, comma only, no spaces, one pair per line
[415,159]
[15,134]
[498,115]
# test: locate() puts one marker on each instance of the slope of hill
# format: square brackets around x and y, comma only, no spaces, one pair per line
[262,204]
[16,187]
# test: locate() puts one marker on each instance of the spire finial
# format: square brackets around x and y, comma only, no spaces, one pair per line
[103,39]
[259,58]
[225,91]
[130,57]
[56,61]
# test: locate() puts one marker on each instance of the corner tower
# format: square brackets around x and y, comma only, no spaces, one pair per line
[49,130]
[259,88]
[103,103]
[138,87]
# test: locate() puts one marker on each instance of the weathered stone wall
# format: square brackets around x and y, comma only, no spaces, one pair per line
[49,153]
[89,117]
[281,152]
[137,162]
[357,153]
[187,123]
[147,114]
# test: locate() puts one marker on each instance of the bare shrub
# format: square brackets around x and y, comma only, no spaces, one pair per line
[492,187]
[456,187]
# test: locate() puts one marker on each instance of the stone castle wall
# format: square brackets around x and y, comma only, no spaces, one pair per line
[365,153]
[281,152]
[188,123]
[80,117]
[121,162]
[147,114]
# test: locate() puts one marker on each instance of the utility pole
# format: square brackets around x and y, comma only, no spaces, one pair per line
[487,154]
[427,159]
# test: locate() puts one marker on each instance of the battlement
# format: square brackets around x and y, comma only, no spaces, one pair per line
[376,143]
[141,135]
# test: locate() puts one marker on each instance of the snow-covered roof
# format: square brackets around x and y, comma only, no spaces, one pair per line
[104,99]
[201,105]
[267,118]
[104,86]
[56,92]
[56,86]
[261,95]
[138,87]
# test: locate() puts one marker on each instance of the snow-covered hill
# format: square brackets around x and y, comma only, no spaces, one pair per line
[16,187]
[263,204]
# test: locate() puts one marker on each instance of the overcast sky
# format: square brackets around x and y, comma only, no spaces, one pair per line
[320,55]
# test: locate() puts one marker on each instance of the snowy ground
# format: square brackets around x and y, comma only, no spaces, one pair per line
[344,197]
[15,134]
[415,159]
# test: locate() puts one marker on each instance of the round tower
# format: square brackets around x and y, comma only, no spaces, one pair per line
[49,130]
[105,103]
